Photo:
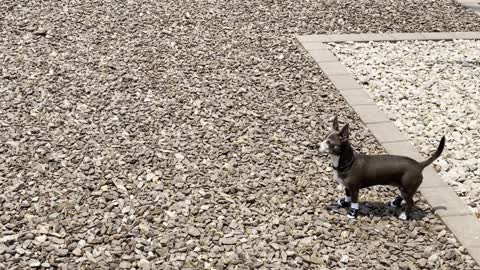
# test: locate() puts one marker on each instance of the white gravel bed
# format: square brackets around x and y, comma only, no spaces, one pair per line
[429,88]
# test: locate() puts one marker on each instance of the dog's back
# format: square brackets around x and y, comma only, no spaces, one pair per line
[375,171]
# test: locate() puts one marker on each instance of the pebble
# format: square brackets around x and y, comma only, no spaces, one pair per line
[34,263]
[41,238]
[433,258]
[62,252]
[194,232]
[125,265]
[77,252]
[422,262]
[228,241]
[144,264]
[450,254]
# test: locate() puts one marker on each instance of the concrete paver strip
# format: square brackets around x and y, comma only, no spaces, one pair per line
[370,114]
[378,37]
[473,5]
[445,202]
[402,149]
[315,46]
[475,253]
[346,37]
[344,82]
[323,56]
[407,36]
[438,36]
[357,97]
[333,68]
[466,35]
[432,179]
[313,38]
[386,132]
[465,228]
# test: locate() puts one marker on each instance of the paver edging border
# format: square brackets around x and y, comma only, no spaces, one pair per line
[453,212]
[471,5]
[316,42]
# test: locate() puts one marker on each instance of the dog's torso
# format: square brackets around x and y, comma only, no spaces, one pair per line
[371,170]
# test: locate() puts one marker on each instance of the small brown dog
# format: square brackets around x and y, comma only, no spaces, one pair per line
[356,171]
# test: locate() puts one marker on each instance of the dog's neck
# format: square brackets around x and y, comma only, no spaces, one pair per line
[344,160]
[334,159]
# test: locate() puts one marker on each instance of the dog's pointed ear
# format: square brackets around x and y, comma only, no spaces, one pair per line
[335,123]
[345,133]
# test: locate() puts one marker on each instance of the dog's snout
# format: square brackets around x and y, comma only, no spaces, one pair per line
[323,147]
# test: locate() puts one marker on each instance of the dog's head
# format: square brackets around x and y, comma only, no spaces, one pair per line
[336,139]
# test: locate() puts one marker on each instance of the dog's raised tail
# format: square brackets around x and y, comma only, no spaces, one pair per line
[435,155]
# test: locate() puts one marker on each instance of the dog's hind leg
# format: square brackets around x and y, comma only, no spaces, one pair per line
[407,194]
[408,207]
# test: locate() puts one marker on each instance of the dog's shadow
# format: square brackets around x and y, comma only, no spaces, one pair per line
[380,209]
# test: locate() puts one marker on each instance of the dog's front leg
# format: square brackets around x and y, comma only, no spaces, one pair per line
[353,212]
[345,202]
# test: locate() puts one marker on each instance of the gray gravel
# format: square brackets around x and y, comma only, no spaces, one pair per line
[170,135]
